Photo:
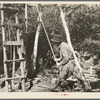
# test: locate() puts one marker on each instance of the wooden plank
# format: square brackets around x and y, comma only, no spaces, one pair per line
[12,43]
[88,75]
[86,71]
[13,78]
[72,80]
[15,60]
[12,25]
[93,80]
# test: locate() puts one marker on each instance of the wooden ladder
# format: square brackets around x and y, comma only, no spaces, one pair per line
[12,42]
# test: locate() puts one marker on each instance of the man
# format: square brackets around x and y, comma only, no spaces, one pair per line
[65,60]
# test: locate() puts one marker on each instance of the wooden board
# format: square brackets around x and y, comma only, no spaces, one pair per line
[20,77]
[7,61]
[11,43]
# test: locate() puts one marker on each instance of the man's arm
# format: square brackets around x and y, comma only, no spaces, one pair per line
[57,59]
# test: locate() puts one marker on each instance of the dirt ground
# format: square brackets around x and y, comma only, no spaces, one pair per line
[45,82]
[42,83]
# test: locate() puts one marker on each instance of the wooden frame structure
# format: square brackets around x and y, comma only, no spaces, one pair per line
[14,44]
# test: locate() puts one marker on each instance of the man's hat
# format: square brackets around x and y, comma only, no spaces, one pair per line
[56,38]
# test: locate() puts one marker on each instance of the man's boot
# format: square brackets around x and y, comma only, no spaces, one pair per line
[87,86]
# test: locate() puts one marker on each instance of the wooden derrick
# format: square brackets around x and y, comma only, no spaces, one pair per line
[13,44]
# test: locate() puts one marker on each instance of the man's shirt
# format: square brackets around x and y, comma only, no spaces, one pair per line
[65,53]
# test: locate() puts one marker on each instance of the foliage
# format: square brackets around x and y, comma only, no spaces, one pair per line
[83,21]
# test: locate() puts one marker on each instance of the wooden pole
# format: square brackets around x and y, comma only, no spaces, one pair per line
[26,21]
[22,70]
[18,35]
[4,49]
[13,67]
[36,43]
[68,37]
[20,56]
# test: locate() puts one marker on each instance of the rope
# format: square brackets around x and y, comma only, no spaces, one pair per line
[45,31]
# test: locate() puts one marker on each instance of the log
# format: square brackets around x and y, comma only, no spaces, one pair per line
[36,44]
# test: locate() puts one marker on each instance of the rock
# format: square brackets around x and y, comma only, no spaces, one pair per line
[54,82]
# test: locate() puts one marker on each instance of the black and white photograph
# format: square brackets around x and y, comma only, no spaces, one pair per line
[50,47]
